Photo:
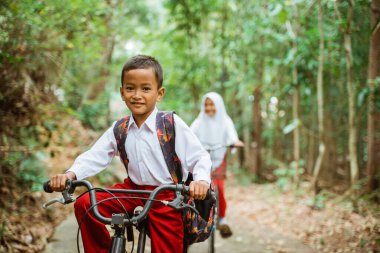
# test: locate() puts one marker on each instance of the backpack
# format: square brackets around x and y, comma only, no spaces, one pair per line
[197,227]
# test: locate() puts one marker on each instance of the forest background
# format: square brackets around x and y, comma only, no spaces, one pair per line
[299,78]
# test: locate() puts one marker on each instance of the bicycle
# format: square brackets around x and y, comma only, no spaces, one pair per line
[210,149]
[121,222]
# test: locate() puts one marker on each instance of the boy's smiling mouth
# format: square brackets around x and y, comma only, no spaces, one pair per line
[137,104]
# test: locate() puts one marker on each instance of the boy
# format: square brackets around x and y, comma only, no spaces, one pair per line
[141,88]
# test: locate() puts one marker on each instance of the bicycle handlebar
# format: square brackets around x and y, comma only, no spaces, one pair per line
[177,203]
[46,187]
[214,148]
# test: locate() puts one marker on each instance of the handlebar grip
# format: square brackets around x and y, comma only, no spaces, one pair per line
[47,187]
[210,195]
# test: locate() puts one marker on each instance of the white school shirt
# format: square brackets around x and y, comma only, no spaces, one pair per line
[147,165]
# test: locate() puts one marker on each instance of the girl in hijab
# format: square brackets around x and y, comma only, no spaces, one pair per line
[216,131]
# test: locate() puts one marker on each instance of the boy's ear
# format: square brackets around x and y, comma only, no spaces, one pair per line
[161,92]
[121,92]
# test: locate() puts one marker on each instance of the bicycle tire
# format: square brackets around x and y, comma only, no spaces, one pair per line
[211,248]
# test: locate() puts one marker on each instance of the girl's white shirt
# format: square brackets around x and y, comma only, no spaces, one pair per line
[217,131]
[147,165]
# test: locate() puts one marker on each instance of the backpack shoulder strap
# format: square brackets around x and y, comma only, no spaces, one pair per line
[120,131]
[166,138]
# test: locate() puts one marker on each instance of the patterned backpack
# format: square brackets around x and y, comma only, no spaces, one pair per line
[198,227]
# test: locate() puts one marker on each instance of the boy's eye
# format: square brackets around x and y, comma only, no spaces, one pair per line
[129,88]
[146,89]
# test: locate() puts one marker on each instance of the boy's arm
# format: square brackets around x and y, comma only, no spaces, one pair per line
[90,162]
[194,158]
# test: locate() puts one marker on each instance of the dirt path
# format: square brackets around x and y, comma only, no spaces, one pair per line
[265,220]
[253,238]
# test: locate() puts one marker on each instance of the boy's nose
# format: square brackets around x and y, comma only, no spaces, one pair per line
[137,93]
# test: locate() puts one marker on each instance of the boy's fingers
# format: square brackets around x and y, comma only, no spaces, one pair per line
[58,182]
[197,192]
[201,190]
[194,190]
[191,190]
[62,184]
[198,189]
[204,192]
[53,183]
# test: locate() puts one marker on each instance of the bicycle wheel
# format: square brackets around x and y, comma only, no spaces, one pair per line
[211,248]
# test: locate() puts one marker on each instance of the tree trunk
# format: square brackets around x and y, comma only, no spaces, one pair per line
[224,49]
[108,44]
[296,134]
[352,126]
[256,145]
[247,141]
[310,154]
[322,148]
[373,166]
[354,169]
[294,31]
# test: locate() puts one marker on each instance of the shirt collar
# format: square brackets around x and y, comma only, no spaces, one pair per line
[150,122]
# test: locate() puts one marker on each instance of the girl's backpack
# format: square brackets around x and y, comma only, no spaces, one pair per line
[198,227]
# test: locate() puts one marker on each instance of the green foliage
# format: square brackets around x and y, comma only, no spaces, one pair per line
[319,201]
[94,113]
[53,55]
[31,171]
[106,177]
[69,54]
[26,169]
[285,176]
[290,127]
[242,175]
[12,160]
[378,240]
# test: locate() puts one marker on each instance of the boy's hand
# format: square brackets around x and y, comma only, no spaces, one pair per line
[58,182]
[198,189]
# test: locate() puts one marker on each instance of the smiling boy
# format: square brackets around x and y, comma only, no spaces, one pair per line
[141,88]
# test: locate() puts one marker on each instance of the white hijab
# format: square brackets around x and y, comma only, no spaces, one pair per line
[215,131]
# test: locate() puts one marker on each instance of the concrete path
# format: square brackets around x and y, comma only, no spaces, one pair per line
[64,239]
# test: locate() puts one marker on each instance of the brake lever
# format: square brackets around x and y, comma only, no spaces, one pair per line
[178,203]
[67,196]
[52,201]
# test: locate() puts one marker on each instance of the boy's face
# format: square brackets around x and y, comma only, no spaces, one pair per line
[140,92]
[210,108]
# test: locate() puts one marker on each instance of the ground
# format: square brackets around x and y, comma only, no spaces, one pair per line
[265,219]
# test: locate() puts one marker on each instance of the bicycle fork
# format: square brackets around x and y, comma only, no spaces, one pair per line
[143,228]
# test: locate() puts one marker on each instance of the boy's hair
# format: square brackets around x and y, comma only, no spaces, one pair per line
[144,62]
